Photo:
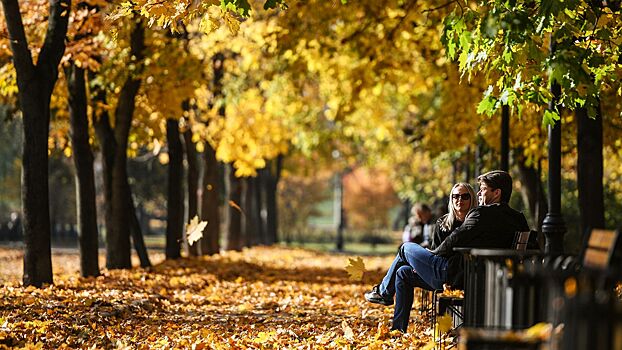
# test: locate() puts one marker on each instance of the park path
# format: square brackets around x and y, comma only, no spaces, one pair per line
[261,297]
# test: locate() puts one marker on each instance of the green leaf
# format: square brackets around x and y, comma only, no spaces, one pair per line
[487,105]
[549,118]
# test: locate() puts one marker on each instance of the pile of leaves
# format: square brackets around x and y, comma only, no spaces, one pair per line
[258,298]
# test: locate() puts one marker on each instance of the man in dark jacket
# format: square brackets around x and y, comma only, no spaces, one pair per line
[490,225]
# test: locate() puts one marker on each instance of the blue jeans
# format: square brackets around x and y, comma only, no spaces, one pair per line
[413,266]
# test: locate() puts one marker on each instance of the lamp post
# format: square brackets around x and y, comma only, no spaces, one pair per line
[505,137]
[553,225]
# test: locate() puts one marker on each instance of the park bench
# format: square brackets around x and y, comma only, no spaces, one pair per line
[481,285]
[574,292]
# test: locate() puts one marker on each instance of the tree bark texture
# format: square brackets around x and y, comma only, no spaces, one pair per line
[137,232]
[192,183]
[533,190]
[250,219]
[210,243]
[272,175]
[35,84]
[590,170]
[175,205]
[235,240]
[105,135]
[210,199]
[118,234]
[260,195]
[88,237]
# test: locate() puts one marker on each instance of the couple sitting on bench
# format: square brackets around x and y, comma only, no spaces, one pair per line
[492,224]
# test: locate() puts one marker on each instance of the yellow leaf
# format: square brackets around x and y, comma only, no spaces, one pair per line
[235,206]
[347,331]
[539,330]
[263,337]
[194,230]
[444,323]
[355,268]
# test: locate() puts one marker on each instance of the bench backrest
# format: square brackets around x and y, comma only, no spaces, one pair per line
[600,248]
[521,239]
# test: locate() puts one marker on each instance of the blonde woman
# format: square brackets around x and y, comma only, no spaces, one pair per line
[461,200]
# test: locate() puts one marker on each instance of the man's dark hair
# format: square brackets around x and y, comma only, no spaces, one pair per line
[498,179]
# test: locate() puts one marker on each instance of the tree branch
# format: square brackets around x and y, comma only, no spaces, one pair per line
[439,7]
[22,57]
[54,43]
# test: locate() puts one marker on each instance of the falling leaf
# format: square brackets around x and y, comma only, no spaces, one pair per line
[234,205]
[539,330]
[355,268]
[194,230]
[445,323]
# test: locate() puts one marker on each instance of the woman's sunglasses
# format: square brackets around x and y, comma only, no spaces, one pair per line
[464,196]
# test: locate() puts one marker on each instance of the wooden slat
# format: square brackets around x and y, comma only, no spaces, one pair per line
[602,239]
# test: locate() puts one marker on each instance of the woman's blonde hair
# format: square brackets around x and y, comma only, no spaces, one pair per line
[450,218]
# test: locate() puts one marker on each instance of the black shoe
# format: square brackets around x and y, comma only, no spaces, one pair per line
[375,297]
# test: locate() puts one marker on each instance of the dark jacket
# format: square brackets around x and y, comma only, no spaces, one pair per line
[486,226]
[440,233]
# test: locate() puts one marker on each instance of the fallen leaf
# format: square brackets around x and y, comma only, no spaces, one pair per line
[347,331]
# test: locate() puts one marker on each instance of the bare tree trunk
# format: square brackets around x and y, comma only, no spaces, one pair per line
[210,204]
[137,233]
[103,130]
[118,236]
[533,190]
[590,170]
[250,217]
[192,183]
[260,205]
[85,179]
[175,205]
[234,192]
[35,85]
[271,182]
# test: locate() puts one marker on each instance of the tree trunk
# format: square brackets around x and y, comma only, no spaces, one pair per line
[260,195]
[35,85]
[193,183]
[271,182]
[118,238]
[250,218]
[210,198]
[590,170]
[505,137]
[137,232]
[210,204]
[532,189]
[108,146]
[234,194]
[85,179]
[175,205]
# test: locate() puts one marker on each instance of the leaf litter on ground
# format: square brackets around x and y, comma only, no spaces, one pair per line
[263,297]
